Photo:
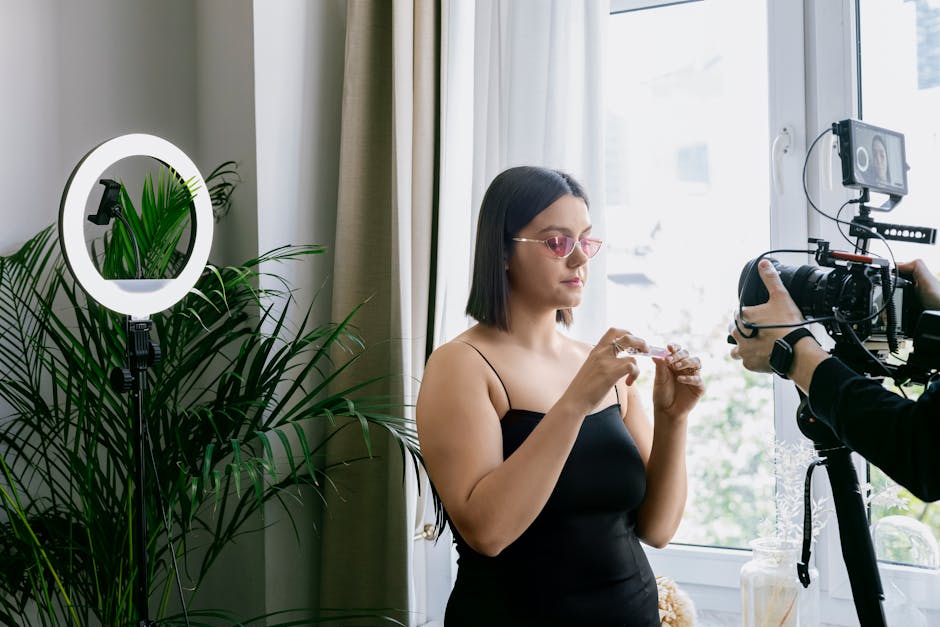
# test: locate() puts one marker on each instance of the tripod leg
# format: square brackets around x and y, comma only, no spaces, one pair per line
[857,548]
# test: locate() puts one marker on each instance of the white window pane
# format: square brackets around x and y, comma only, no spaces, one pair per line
[900,62]
[686,207]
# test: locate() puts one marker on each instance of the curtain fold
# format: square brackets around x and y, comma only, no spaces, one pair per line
[385,209]
[539,100]
[522,85]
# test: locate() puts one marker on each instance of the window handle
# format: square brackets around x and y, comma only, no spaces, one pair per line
[779,148]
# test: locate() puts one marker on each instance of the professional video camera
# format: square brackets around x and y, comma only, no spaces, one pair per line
[860,300]
[868,310]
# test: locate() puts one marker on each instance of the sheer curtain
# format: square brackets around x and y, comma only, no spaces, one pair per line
[520,84]
[532,69]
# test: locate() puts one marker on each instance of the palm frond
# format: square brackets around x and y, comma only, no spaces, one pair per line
[229,408]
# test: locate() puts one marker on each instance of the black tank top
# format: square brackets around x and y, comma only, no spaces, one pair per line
[579,563]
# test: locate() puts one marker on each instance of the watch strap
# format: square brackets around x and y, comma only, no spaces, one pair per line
[781,357]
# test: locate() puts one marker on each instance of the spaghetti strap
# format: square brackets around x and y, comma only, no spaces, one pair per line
[617,394]
[491,368]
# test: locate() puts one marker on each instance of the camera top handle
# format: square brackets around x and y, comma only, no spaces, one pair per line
[864,227]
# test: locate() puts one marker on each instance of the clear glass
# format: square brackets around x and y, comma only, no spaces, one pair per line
[900,64]
[771,592]
[687,190]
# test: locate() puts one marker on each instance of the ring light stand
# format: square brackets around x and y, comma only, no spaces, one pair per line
[136,298]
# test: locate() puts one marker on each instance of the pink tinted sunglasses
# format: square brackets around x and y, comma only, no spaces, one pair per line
[561,245]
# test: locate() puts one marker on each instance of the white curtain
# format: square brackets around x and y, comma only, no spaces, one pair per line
[520,85]
[532,69]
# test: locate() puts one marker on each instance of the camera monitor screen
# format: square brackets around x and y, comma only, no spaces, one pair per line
[872,158]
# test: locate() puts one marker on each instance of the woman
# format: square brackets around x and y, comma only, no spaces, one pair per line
[538,446]
[879,160]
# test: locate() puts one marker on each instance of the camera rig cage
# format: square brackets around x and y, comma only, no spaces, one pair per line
[859,298]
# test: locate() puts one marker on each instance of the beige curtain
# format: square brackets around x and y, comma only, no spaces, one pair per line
[382,253]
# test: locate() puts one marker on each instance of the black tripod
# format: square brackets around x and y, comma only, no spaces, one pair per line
[141,353]
[857,549]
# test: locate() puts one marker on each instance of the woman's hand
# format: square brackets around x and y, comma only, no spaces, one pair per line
[678,384]
[603,368]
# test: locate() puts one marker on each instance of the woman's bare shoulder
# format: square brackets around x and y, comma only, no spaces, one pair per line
[461,355]
[456,381]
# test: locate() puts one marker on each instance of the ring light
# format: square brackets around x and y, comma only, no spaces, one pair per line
[137,298]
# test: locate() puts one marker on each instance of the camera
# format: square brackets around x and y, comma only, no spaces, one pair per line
[867,309]
[855,297]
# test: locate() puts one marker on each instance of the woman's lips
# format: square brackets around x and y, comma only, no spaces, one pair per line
[575,282]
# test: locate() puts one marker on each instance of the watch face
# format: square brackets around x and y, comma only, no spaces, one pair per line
[781,358]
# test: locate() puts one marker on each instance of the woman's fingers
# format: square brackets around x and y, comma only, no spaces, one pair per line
[687,367]
[615,351]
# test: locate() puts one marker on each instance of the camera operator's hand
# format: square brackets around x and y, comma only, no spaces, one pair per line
[754,352]
[925,282]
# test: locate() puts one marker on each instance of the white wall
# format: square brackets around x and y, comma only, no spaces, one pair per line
[31,173]
[76,74]
[225,117]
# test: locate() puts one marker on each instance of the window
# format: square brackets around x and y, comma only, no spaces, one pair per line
[687,120]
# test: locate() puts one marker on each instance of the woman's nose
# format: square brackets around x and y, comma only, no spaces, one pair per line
[577,256]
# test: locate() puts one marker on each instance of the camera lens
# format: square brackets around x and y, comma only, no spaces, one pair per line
[806,284]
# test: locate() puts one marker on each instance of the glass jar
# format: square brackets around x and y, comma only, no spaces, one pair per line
[771,592]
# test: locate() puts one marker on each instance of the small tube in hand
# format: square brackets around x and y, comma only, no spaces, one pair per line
[654,351]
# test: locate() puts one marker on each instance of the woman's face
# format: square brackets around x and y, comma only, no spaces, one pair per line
[880,161]
[537,275]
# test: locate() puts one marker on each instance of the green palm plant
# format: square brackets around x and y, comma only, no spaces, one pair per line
[227,408]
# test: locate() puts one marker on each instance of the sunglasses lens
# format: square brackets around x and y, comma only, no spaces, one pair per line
[590,247]
[560,245]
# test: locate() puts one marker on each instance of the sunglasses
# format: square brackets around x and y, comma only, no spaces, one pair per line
[561,245]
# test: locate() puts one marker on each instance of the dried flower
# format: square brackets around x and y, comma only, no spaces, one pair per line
[676,609]
[791,462]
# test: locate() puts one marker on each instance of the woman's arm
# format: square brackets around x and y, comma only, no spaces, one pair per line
[676,390]
[490,500]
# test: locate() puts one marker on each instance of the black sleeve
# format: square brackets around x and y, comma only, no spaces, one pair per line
[899,436]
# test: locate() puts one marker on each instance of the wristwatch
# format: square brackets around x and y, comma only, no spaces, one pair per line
[781,357]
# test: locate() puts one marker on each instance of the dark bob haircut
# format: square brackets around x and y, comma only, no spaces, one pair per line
[513,198]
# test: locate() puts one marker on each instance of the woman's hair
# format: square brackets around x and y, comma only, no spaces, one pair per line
[513,198]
